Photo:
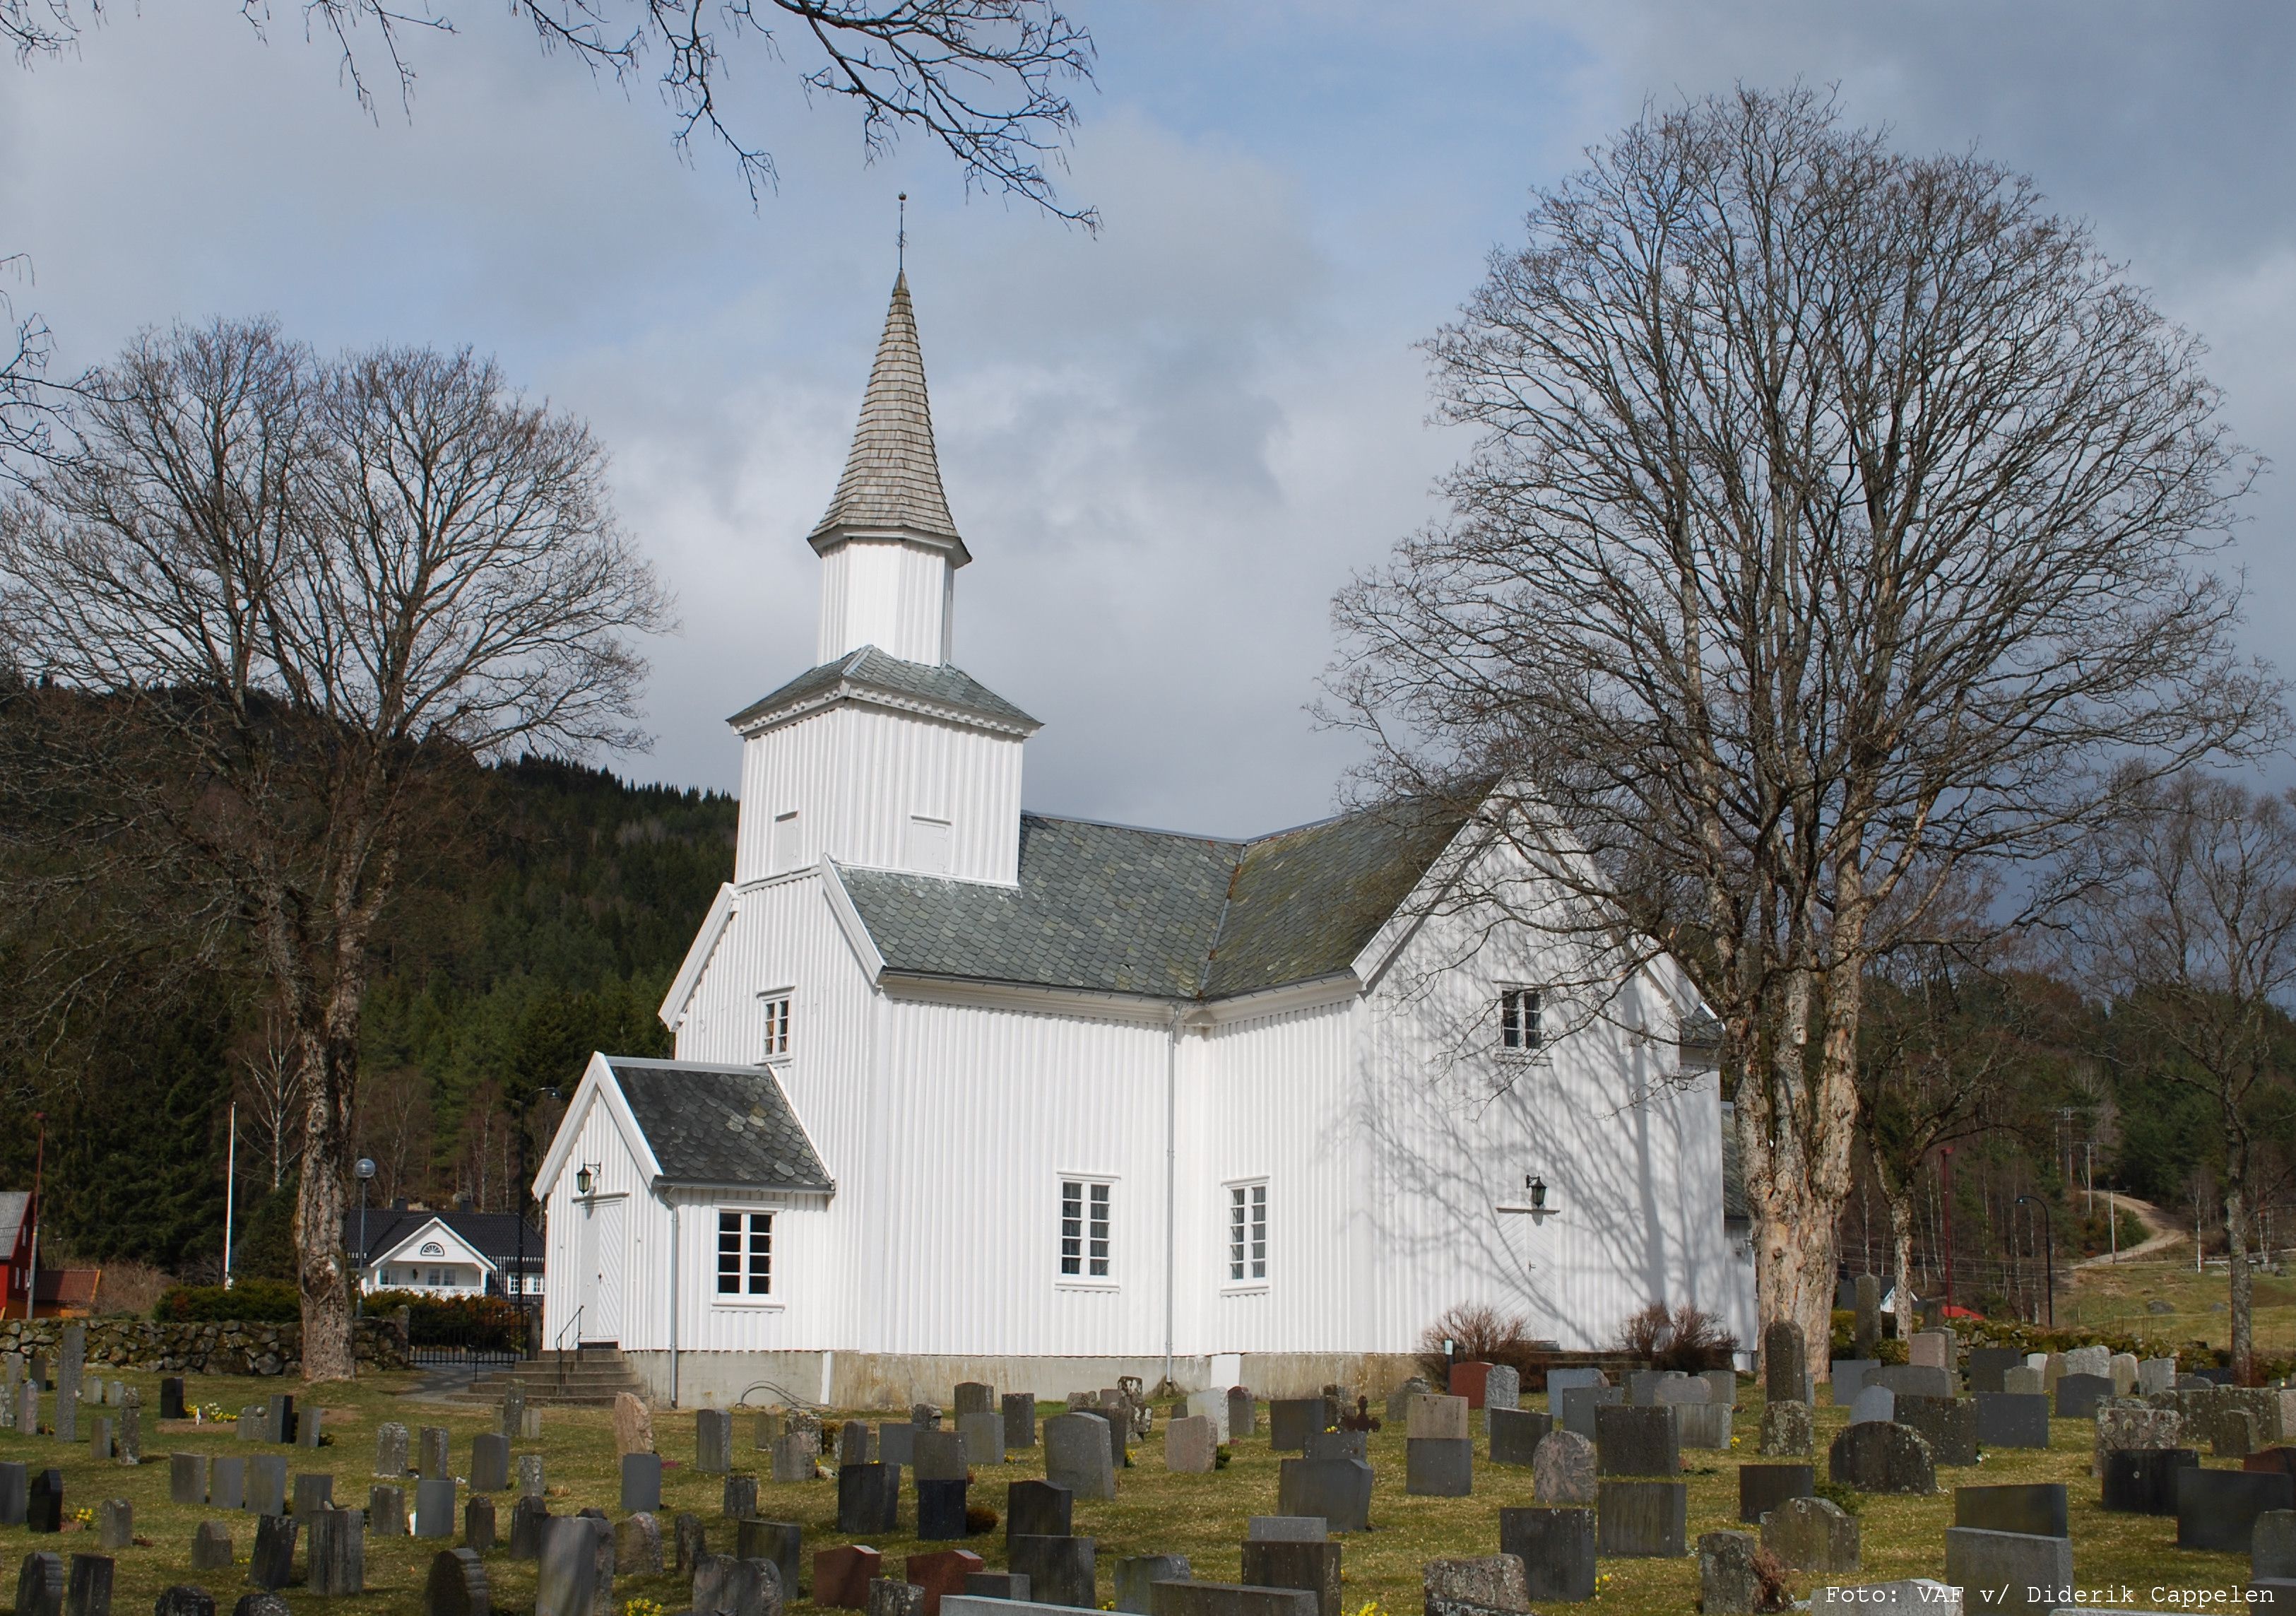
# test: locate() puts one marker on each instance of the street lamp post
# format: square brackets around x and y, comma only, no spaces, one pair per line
[366,1170]
[2048,1252]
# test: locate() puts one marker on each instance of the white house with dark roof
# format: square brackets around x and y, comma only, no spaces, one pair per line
[965,1092]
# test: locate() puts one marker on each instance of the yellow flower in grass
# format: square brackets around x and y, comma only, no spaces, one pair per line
[642,1607]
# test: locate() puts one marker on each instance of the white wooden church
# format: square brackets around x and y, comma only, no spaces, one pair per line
[966,1092]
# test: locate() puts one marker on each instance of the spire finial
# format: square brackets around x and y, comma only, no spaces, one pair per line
[901,236]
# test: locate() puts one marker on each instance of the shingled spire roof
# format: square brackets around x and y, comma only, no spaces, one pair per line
[892,477]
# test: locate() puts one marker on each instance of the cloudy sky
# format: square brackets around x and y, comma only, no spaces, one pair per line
[1166,444]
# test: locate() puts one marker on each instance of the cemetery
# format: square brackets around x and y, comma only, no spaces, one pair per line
[129,1491]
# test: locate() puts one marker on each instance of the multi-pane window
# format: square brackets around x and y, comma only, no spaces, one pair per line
[1084,1228]
[1519,1019]
[775,1008]
[745,1254]
[1247,1232]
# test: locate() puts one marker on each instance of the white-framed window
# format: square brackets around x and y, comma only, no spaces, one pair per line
[773,1016]
[745,1254]
[1087,1249]
[782,853]
[1519,1030]
[1247,1232]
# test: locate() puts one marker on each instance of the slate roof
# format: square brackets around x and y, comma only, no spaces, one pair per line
[1111,909]
[892,475]
[718,1124]
[872,669]
[13,1204]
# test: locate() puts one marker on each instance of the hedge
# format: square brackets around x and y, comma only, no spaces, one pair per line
[250,1302]
[493,1322]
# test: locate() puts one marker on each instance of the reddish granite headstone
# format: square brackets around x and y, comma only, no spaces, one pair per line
[942,1573]
[1467,1380]
[841,1576]
[2271,1458]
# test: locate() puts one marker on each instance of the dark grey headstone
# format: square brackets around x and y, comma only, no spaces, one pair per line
[1949,1424]
[1020,1411]
[530,1481]
[1988,1365]
[88,1588]
[307,1427]
[1039,1509]
[1080,1453]
[1762,1488]
[1516,1433]
[390,1450]
[740,1499]
[457,1585]
[479,1524]
[1578,1404]
[2037,1508]
[15,1492]
[1785,1363]
[263,1602]
[1728,1585]
[489,1463]
[641,1483]
[2016,1563]
[1060,1570]
[1850,1378]
[184,1599]
[273,1563]
[1291,1419]
[2011,1419]
[1242,1412]
[171,1396]
[279,1423]
[314,1493]
[782,1542]
[529,1518]
[338,1551]
[691,1540]
[941,1507]
[434,1508]
[2143,1480]
[40,1583]
[266,1484]
[187,1482]
[1313,1568]
[2078,1395]
[2216,1509]
[856,1443]
[2272,1550]
[386,1509]
[868,1498]
[1879,1458]
[1556,1547]
[735,1586]
[1287,1529]
[1637,1442]
[1337,1489]
[974,1397]
[567,1581]
[1009,1586]
[939,1456]
[1227,1599]
[1339,1445]
[1913,1380]
[433,1446]
[1135,1573]
[1642,1519]
[227,1482]
[115,1523]
[895,1443]
[713,1441]
[44,1501]
[1439,1467]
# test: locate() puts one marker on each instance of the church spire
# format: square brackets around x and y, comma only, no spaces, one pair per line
[891,485]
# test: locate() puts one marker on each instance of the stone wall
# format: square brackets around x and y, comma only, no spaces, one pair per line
[203,1348]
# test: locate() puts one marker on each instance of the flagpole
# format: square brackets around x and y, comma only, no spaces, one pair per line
[230,1185]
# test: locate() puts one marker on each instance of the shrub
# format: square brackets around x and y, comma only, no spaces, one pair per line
[1688,1338]
[493,1322]
[1477,1334]
[250,1302]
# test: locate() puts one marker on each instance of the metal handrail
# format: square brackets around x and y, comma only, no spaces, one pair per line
[558,1344]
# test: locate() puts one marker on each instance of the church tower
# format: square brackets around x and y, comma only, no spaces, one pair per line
[885,754]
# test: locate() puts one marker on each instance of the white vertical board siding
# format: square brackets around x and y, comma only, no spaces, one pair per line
[804,1293]
[888,594]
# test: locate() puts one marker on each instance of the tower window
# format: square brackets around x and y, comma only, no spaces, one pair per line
[784,851]
[774,1009]
[1519,1020]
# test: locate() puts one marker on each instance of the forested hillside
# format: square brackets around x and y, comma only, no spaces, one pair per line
[549,926]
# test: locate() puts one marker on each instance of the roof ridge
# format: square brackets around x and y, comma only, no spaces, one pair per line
[892,472]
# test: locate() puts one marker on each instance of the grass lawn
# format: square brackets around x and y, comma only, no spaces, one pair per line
[2163,1300]
[1202,1517]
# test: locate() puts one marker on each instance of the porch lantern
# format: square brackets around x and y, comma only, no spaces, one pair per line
[583,1179]
[1536,1208]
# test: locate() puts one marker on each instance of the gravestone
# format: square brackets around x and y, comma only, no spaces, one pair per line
[982,1433]
[2156,1374]
[489,1462]
[88,1588]
[308,1426]
[2015,1563]
[1556,1547]
[529,1518]
[1135,1573]
[939,1456]
[1989,1367]
[938,1575]
[2078,1395]
[27,1408]
[1880,1459]
[2233,1435]
[1439,1467]
[1812,1535]
[1563,1470]
[767,1429]
[227,1482]
[1931,1350]
[187,1481]
[1722,1387]
[184,1599]
[2023,1381]
[890,1597]
[1850,1378]
[1492,1585]
[641,1483]
[211,1547]
[897,1442]
[856,1444]
[1560,1380]
[1727,1583]
[1579,1403]
[1465,1381]
[2125,1425]
[1290,1419]
[2143,1480]
[390,1450]
[2011,1419]
[1642,1384]
[841,1576]
[478,1525]
[15,1493]
[1286,1528]
[1037,1509]
[44,1502]
[1762,1488]
[386,1509]
[1949,1424]
[973,1397]
[1191,1445]
[781,1542]
[1337,1489]
[2272,1548]
[2036,1509]
[432,1444]
[434,1507]
[1704,1426]
[633,1425]
[1786,1430]
[1913,1380]
[314,1493]
[1502,1388]
[868,1497]
[1516,1434]
[99,1441]
[692,1542]
[1229,1599]
[568,1582]
[1638,1519]
[740,1501]
[513,1410]
[1681,1392]
[128,1442]
[2122,1372]
[40,1584]
[1242,1414]
[1020,1410]
[68,1382]
[1312,1568]
[637,1546]
[713,1441]
[266,1485]
[457,1585]
[171,1396]
[1008,1586]
[1785,1362]
[1078,1457]
[273,1563]
[338,1551]
[797,1456]
[115,1523]
[1636,1442]
[279,1423]
[1060,1570]
[2216,1509]
[940,1509]
[1874,1406]
[1866,1331]
[2090,1360]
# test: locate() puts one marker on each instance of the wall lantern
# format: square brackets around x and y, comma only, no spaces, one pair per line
[1534,1208]
[583,1179]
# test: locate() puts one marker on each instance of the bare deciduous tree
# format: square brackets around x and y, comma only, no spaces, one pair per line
[271,1091]
[983,79]
[1838,515]
[301,598]
[2185,918]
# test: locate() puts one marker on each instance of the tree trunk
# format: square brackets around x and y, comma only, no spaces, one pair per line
[1901,1246]
[2243,1285]
[322,1271]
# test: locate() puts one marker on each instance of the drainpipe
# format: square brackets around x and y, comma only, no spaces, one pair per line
[671,1201]
[1171,1147]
